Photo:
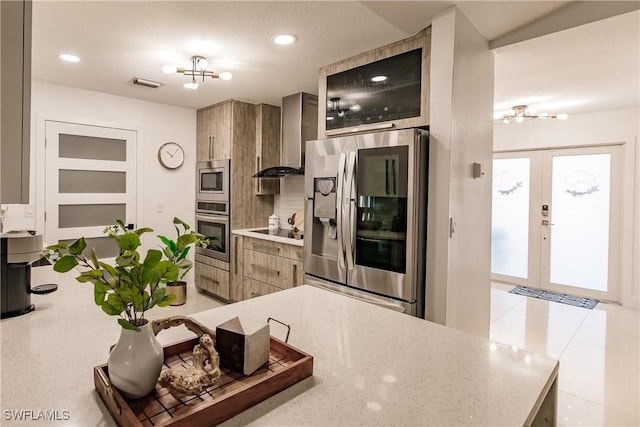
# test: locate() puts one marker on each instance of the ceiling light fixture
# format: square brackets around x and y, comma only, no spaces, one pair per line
[69,58]
[198,69]
[284,39]
[333,106]
[521,112]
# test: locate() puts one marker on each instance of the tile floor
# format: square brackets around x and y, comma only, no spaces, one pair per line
[598,349]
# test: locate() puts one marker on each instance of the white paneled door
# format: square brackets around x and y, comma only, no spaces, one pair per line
[90,182]
[556,216]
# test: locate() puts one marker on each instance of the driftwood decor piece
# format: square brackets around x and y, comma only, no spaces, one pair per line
[191,324]
[205,371]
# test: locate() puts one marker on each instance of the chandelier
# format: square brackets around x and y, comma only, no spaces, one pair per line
[521,112]
[198,70]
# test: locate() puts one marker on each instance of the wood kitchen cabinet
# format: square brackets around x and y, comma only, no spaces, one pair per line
[421,40]
[228,130]
[15,109]
[270,267]
[267,147]
[212,276]
[214,131]
[231,130]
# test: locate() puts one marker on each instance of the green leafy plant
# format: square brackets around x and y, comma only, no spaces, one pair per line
[176,250]
[132,285]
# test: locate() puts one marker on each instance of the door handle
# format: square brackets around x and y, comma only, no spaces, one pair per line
[546,222]
[350,213]
[295,274]
[339,210]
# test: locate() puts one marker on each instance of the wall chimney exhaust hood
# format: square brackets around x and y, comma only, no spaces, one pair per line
[279,171]
[299,125]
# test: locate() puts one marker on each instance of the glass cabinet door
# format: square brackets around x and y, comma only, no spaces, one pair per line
[381,200]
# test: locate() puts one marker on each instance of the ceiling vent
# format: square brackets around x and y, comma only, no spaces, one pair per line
[146,83]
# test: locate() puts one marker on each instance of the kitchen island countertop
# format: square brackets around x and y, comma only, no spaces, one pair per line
[372,366]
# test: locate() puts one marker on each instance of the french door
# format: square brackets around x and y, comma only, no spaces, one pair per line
[555,221]
[90,182]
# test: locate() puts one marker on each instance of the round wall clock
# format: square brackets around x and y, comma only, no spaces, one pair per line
[171,155]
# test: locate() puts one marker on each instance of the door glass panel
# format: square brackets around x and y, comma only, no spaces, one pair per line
[91,181]
[105,247]
[90,215]
[381,217]
[92,147]
[580,221]
[510,217]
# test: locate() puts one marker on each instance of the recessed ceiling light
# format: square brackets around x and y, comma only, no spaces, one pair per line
[284,39]
[378,78]
[69,58]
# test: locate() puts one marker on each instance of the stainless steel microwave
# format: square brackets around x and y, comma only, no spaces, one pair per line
[213,180]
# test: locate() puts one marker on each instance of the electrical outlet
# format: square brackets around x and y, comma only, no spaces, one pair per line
[159,207]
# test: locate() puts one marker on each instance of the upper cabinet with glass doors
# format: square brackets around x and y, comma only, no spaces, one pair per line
[384,88]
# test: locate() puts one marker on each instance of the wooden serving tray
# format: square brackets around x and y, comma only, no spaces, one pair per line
[230,395]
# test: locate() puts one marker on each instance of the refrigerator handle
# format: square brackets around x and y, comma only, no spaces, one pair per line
[339,219]
[350,210]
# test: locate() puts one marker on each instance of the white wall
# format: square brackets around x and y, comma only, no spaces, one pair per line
[154,123]
[621,127]
[461,101]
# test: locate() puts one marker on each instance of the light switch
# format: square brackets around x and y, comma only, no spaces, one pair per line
[159,207]
[29,210]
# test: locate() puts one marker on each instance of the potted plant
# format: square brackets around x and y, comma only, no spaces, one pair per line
[128,288]
[176,251]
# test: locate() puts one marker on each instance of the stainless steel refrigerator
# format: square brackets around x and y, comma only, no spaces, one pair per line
[366,217]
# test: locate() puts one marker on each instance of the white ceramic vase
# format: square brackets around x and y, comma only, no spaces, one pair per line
[135,362]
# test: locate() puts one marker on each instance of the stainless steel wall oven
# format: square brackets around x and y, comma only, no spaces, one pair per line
[217,229]
[212,207]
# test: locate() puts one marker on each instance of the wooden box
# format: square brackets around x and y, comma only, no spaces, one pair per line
[230,395]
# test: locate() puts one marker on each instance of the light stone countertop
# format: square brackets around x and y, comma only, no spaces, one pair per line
[372,366]
[250,232]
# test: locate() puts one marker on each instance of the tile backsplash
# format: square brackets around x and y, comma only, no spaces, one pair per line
[290,199]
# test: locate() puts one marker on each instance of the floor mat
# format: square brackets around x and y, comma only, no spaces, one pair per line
[555,297]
